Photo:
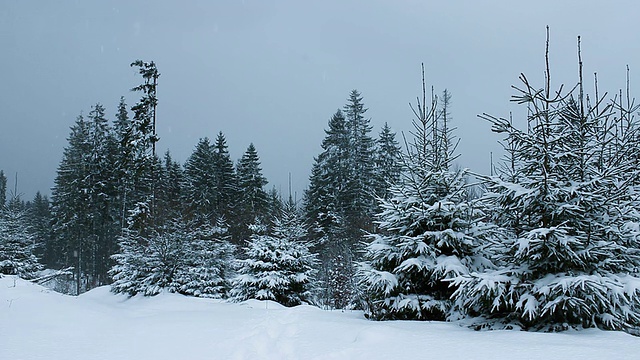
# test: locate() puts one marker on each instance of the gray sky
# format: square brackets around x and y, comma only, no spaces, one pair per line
[273,72]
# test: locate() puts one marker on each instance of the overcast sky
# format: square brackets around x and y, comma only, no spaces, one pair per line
[273,72]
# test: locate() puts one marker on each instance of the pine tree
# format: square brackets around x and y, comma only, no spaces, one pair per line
[275,206]
[178,258]
[124,153]
[169,194]
[325,197]
[208,263]
[360,183]
[326,205]
[39,214]
[70,196]
[142,145]
[278,267]
[388,166]
[102,195]
[428,230]
[17,242]
[226,184]
[200,192]
[253,201]
[570,257]
[3,189]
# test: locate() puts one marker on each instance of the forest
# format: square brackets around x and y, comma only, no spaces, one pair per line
[392,225]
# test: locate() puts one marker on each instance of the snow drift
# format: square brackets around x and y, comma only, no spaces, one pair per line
[36,323]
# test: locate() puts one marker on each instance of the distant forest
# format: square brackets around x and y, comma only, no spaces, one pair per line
[550,240]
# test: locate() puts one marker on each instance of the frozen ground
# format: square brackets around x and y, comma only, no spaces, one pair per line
[36,323]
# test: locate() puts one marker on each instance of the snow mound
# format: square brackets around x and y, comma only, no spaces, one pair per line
[261,304]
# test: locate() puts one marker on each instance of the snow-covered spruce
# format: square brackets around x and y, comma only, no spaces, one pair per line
[425,238]
[566,198]
[277,267]
[16,243]
[428,232]
[177,259]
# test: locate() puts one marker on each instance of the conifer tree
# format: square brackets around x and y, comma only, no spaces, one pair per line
[325,198]
[428,230]
[388,166]
[142,144]
[277,267]
[180,257]
[70,196]
[102,195]
[360,182]
[17,242]
[39,214]
[200,190]
[124,154]
[253,201]
[226,184]
[570,257]
[209,264]
[326,205]
[169,193]
[3,189]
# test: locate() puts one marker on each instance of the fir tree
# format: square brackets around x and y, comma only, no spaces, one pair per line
[325,197]
[70,197]
[169,193]
[176,258]
[124,153]
[142,144]
[39,213]
[200,190]
[278,267]
[571,250]
[226,187]
[207,268]
[428,231]
[17,243]
[253,201]
[326,205]
[388,166]
[3,189]
[360,183]
[102,191]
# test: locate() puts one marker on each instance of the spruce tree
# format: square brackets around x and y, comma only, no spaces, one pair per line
[3,189]
[277,267]
[325,198]
[428,230]
[326,205]
[142,146]
[17,242]
[169,194]
[39,214]
[124,157]
[70,196]
[226,185]
[360,182]
[102,195]
[200,192]
[253,201]
[388,166]
[570,255]
[208,268]
[179,257]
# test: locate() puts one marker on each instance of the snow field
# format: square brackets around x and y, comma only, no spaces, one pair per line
[36,323]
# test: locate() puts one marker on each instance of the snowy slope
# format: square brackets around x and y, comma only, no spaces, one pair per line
[36,323]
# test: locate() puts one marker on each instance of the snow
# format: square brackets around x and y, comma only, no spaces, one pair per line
[36,323]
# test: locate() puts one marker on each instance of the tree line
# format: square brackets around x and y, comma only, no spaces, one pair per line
[550,241]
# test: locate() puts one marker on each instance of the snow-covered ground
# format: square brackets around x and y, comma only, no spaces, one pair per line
[36,323]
